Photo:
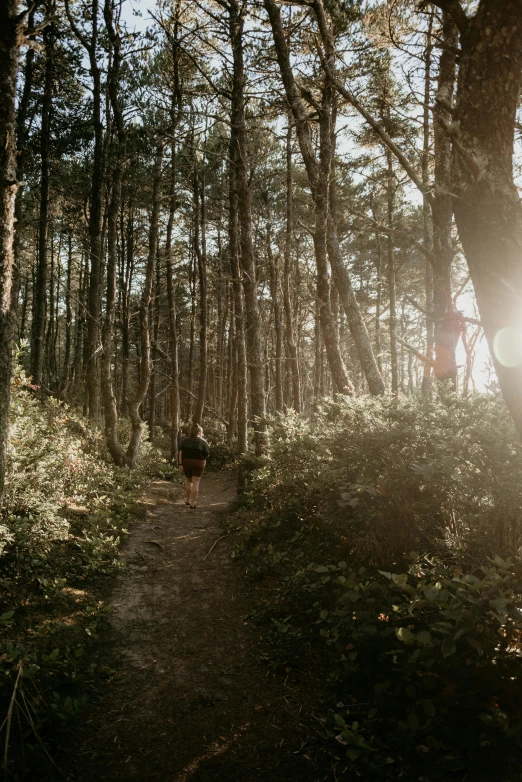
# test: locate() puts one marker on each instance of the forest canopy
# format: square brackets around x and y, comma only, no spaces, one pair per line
[231,208]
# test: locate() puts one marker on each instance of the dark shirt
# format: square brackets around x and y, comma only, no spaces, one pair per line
[194,448]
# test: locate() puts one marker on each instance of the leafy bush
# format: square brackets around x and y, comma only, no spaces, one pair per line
[66,510]
[401,474]
[420,652]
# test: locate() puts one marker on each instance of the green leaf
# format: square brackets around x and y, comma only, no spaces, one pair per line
[423,638]
[448,647]
[400,579]
[353,754]
[322,569]
[324,614]
[404,635]
[339,721]
[385,574]
[500,604]
[6,616]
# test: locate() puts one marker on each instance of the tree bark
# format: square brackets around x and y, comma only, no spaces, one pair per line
[110,407]
[314,173]
[66,368]
[145,360]
[446,319]
[22,131]
[427,226]
[235,269]
[293,363]
[273,269]
[239,137]
[173,331]
[40,289]
[486,203]
[10,39]
[95,211]
[201,256]
[390,196]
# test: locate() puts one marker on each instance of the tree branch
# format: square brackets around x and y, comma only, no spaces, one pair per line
[454,9]
[377,127]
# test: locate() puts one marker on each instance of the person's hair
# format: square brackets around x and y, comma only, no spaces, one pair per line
[196,430]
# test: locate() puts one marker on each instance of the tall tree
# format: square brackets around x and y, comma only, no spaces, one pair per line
[487,206]
[10,39]
[236,13]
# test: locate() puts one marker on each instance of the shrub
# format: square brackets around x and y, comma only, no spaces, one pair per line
[420,652]
[66,509]
[398,475]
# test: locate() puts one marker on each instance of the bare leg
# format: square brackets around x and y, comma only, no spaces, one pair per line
[188,488]
[195,489]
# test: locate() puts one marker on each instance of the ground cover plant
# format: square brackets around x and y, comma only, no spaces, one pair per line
[387,534]
[66,510]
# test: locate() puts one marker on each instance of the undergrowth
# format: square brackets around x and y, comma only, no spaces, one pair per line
[386,535]
[67,508]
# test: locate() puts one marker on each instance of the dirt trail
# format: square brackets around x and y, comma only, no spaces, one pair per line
[190,701]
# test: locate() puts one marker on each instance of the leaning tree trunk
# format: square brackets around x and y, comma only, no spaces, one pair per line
[355,322]
[487,207]
[10,38]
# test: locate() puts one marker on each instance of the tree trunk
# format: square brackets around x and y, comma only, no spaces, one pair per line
[446,319]
[144,359]
[173,331]
[95,211]
[277,323]
[22,131]
[487,206]
[40,289]
[10,36]
[233,248]
[110,408]
[427,237]
[390,193]
[293,364]
[314,172]
[239,137]
[201,256]
[66,368]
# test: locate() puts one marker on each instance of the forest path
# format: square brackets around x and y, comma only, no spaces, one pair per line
[189,701]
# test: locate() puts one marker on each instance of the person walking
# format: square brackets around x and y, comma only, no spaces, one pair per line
[192,458]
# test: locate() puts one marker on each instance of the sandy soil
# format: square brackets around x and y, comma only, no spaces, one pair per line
[190,699]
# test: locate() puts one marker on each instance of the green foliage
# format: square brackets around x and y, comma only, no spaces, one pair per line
[421,652]
[66,510]
[398,475]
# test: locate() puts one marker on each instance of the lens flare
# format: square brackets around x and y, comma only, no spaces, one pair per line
[507,347]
